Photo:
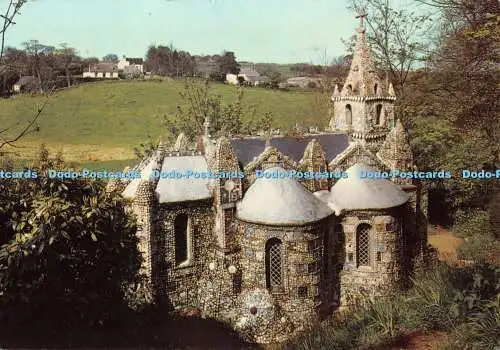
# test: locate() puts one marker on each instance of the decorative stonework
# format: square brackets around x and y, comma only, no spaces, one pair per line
[382,272]
[365,106]
[270,157]
[357,152]
[182,143]
[395,153]
[314,160]
[273,278]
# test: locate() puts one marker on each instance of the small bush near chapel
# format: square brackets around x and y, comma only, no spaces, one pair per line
[68,249]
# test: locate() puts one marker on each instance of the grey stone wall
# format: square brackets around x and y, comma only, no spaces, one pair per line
[387,251]
[307,272]
[179,283]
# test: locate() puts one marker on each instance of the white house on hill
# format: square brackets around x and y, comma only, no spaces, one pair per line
[102,70]
[247,75]
[131,65]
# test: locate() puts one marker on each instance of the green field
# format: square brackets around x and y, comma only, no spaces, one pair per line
[103,122]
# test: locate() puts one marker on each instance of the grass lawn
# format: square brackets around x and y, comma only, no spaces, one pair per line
[104,121]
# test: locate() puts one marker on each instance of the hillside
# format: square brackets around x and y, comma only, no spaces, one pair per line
[105,121]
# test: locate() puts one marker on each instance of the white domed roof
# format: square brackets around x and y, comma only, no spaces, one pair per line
[280,201]
[357,192]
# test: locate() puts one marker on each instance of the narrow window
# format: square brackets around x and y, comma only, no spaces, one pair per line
[237,281]
[302,292]
[378,115]
[375,89]
[326,252]
[348,115]
[339,232]
[274,264]
[181,238]
[350,257]
[379,256]
[363,245]
[312,267]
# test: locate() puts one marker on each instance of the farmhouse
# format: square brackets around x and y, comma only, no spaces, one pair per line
[26,83]
[272,256]
[131,65]
[102,70]
[247,75]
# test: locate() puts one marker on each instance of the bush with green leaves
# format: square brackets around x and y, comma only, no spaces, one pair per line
[68,249]
[464,302]
[480,243]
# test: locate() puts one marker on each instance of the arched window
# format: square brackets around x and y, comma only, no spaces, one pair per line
[348,115]
[181,238]
[339,232]
[274,265]
[378,115]
[375,89]
[363,245]
[349,89]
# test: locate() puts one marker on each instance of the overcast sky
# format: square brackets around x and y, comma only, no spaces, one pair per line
[281,31]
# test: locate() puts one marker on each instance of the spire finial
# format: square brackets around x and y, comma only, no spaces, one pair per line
[268,136]
[361,15]
[207,126]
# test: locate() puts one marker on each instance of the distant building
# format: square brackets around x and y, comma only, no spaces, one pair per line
[26,84]
[247,75]
[102,70]
[304,82]
[131,65]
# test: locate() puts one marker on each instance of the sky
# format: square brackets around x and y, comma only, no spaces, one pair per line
[277,31]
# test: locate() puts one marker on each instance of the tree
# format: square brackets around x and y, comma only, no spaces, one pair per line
[166,60]
[111,58]
[11,134]
[66,58]
[200,104]
[67,248]
[274,79]
[8,16]
[33,50]
[226,64]
[452,111]
[12,68]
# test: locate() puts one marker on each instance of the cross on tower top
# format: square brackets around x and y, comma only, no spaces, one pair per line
[361,15]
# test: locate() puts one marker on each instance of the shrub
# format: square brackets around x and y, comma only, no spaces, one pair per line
[441,298]
[312,85]
[483,328]
[480,243]
[69,247]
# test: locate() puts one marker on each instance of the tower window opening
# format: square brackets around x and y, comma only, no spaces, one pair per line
[378,116]
[375,89]
[274,265]
[181,238]
[348,115]
[363,245]
[339,231]
[349,89]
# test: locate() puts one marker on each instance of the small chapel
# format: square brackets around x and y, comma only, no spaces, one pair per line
[270,257]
